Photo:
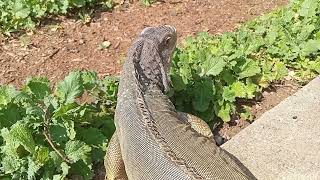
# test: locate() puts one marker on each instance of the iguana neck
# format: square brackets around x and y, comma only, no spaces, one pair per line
[151,124]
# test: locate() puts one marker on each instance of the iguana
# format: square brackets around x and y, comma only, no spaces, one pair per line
[152,140]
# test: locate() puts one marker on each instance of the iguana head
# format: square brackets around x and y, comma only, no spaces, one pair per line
[152,55]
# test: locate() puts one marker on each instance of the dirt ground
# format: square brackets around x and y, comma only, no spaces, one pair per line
[65,44]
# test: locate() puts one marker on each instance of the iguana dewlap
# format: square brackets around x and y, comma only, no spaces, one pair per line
[152,140]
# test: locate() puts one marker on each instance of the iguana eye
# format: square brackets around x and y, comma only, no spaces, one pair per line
[167,41]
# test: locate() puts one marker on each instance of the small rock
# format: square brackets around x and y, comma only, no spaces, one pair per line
[257,106]
[76,60]
[198,21]
[81,41]
[104,45]
[265,93]
[173,12]
[71,40]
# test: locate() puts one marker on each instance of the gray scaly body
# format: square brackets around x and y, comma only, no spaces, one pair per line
[152,140]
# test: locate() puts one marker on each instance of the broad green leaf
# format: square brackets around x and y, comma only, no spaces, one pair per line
[22,134]
[212,66]
[76,150]
[19,134]
[272,36]
[229,94]
[185,73]
[228,77]
[110,87]
[58,177]
[248,68]
[38,87]
[239,89]
[51,102]
[5,177]
[10,164]
[69,126]
[98,154]
[10,115]
[224,112]
[20,10]
[177,81]
[23,98]
[65,109]
[78,3]
[311,46]
[280,70]
[305,32]
[33,168]
[64,6]
[41,155]
[203,93]
[106,126]
[35,112]
[59,133]
[82,169]
[78,113]
[7,93]
[65,169]
[55,159]
[70,88]
[308,8]
[315,65]
[89,79]
[251,90]
[91,136]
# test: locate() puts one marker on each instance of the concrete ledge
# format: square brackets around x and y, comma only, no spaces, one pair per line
[284,143]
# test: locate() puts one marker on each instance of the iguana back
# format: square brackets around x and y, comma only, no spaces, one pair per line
[153,140]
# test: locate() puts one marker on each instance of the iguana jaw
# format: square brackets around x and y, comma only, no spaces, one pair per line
[166,81]
[166,78]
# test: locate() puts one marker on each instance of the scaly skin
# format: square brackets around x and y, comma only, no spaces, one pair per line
[152,140]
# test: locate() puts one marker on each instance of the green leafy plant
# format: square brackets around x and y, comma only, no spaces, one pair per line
[26,14]
[211,72]
[54,134]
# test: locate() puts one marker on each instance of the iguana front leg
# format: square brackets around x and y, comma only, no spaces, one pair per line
[115,169]
[197,124]
[113,162]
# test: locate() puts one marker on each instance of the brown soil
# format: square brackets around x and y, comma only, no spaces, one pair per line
[67,44]
[56,49]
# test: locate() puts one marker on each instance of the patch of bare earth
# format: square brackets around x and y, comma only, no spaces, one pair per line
[58,48]
[55,50]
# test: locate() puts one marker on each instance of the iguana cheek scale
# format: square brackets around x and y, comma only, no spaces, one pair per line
[152,140]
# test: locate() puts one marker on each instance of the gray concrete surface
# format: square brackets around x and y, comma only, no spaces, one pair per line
[284,143]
